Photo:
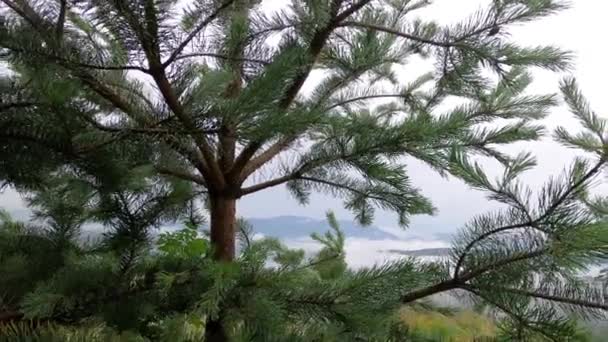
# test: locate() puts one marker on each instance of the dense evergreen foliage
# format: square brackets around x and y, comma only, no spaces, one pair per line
[134,114]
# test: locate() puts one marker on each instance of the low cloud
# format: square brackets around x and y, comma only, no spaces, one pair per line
[365,252]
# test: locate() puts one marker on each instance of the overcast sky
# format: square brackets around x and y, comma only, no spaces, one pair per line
[580,29]
[576,29]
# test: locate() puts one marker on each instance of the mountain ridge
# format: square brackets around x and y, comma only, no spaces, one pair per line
[293,227]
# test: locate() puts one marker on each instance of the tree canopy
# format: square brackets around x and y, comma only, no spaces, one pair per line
[210,93]
[133,114]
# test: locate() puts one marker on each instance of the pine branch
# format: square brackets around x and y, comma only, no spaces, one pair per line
[211,165]
[157,71]
[347,188]
[389,30]
[61,19]
[25,11]
[149,41]
[193,155]
[223,57]
[316,45]
[429,291]
[264,157]
[279,147]
[486,235]
[147,130]
[29,14]
[68,65]
[573,188]
[314,49]
[106,92]
[501,263]
[552,298]
[181,174]
[460,282]
[60,147]
[316,262]
[267,184]
[506,310]
[281,27]
[365,97]
[355,7]
[211,17]
[535,223]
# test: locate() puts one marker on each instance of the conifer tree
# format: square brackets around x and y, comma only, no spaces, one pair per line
[132,113]
[202,92]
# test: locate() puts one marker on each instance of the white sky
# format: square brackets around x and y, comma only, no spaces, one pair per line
[580,29]
[576,29]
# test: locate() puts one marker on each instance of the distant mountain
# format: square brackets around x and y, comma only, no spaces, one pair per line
[291,227]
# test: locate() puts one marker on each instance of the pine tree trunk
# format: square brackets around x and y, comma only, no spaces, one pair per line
[223,222]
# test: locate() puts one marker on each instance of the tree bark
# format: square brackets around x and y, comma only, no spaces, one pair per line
[223,222]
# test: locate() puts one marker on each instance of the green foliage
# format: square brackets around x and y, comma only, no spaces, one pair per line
[221,100]
[329,262]
[298,298]
[50,333]
[183,244]
[88,140]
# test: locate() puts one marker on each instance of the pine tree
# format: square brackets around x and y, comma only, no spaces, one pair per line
[202,94]
[131,113]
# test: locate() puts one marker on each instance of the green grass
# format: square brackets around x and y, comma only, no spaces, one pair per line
[461,326]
